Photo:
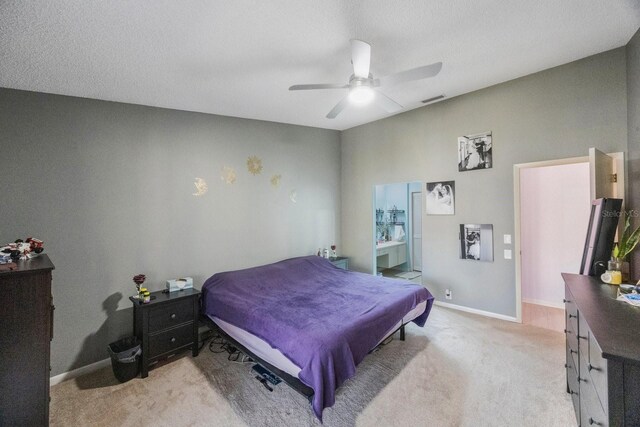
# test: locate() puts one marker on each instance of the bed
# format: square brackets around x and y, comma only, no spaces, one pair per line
[311,320]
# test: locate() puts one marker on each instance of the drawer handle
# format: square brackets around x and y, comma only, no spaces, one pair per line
[173,340]
[592,421]
[565,300]
[575,316]
[582,379]
[572,351]
[566,331]
[573,392]
[590,367]
[173,316]
[566,366]
[580,337]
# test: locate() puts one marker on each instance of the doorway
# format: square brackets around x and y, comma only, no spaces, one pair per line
[552,207]
[554,215]
[397,243]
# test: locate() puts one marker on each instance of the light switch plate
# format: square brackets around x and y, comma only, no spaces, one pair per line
[507,254]
[507,239]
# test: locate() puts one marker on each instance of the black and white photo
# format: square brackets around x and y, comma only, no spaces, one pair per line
[475,152]
[441,198]
[476,242]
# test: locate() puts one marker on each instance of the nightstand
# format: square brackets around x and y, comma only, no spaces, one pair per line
[166,325]
[340,262]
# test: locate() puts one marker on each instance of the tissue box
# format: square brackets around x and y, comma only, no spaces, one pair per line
[179,284]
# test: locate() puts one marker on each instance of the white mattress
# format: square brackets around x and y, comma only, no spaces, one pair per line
[271,355]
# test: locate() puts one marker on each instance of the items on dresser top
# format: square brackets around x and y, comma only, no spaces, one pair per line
[165,325]
[21,250]
[602,353]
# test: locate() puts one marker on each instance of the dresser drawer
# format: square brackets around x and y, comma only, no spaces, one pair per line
[591,412]
[597,368]
[571,317]
[572,344]
[572,383]
[170,339]
[170,314]
[572,373]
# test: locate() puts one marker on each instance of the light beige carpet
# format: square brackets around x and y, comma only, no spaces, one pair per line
[460,370]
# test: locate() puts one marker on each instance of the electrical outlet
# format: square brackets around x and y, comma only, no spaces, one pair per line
[447,294]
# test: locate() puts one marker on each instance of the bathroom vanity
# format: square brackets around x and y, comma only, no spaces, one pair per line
[391,254]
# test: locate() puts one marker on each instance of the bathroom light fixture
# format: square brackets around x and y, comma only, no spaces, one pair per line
[361,95]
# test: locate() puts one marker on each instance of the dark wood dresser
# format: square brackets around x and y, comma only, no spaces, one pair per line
[603,353]
[26,331]
[166,325]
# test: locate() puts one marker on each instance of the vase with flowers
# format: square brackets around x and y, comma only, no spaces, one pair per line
[624,247]
[139,279]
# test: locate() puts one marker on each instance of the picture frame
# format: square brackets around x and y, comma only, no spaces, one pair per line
[440,198]
[475,152]
[476,242]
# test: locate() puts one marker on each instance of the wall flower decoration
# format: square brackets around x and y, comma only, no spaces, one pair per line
[228,175]
[275,180]
[201,187]
[254,165]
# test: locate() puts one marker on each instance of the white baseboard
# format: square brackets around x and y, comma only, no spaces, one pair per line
[545,303]
[476,311]
[79,371]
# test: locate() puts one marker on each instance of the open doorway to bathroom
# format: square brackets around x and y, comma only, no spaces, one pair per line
[397,243]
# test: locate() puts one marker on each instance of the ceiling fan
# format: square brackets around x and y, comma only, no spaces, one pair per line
[361,83]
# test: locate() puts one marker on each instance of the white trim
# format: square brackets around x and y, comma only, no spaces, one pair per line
[544,303]
[79,371]
[476,311]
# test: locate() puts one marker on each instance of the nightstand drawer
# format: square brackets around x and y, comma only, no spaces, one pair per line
[171,339]
[170,315]
[341,262]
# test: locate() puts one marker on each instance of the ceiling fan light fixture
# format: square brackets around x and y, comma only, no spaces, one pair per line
[361,95]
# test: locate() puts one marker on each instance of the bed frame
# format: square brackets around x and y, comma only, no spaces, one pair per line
[291,381]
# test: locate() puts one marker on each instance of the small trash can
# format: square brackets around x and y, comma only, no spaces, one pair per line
[125,358]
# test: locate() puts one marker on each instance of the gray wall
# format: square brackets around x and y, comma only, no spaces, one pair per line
[553,114]
[633,126]
[108,187]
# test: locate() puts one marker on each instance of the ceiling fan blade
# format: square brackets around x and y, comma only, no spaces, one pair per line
[360,58]
[387,103]
[410,75]
[338,108]
[318,86]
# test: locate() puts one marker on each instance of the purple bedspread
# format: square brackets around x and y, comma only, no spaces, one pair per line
[324,319]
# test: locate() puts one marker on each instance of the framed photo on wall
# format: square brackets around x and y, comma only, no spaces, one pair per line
[475,152]
[441,198]
[476,242]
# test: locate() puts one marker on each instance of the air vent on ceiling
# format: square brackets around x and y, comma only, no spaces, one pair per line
[435,98]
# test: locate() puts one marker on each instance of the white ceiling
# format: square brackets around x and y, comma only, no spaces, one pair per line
[238,58]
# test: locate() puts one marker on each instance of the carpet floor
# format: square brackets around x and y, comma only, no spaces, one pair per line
[460,370]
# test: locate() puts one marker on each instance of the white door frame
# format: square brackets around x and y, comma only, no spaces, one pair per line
[620,170]
[413,248]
